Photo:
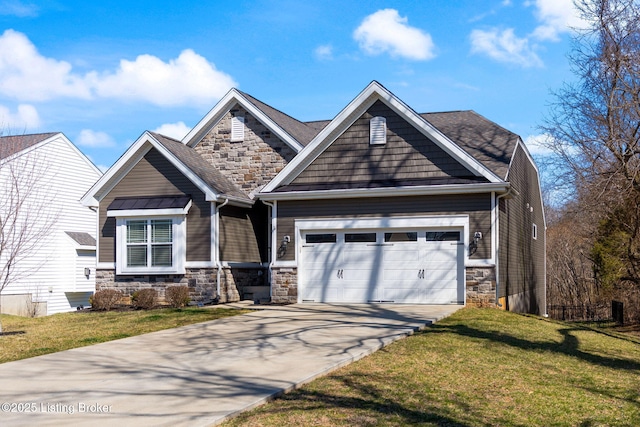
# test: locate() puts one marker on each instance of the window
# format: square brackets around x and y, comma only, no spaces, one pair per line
[534,232]
[443,236]
[320,238]
[360,237]
[411,236]
[237,129]
[150,245]
[378,131]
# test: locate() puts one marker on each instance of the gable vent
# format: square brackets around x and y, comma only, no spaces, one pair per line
[237,128]
[378,130]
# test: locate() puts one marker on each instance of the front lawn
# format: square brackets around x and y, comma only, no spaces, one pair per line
[27,337]
[479,367]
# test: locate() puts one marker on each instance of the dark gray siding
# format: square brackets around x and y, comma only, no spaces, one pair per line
[154,175]
[521,258]
[477,206]
[244,234]
[407,155]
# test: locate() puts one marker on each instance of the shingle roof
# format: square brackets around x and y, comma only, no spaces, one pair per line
[300,131]
[83,239]
[13,144]
[192,160]
[489,143]
[149,202]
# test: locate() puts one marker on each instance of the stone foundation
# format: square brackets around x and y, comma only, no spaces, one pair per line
[481,286]
[284,285]
[202,282]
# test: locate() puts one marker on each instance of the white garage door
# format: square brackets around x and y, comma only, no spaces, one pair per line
[408,266]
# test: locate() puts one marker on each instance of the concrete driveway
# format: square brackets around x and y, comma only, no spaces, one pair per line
[201,374]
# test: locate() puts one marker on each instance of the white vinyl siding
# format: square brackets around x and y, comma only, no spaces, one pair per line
[52,277]
[378,131]
[237,129]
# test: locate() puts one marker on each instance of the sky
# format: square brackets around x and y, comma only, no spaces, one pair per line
[103,72]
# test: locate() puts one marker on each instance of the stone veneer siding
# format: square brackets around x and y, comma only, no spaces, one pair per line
[481,286]
[201,282]
[480,283]
[251,163]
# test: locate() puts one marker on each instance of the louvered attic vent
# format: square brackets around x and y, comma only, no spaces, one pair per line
[378,131]
[237,129]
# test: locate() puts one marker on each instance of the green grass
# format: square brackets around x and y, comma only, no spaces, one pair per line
[479,367]
[28,337]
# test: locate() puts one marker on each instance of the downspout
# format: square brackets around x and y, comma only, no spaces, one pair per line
[269,269]
[217,260]
[508,193]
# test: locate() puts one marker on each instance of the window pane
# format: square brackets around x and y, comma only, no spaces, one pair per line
[443,236]
[320,238]
[360,237]
[161,255]
[136,231]
[161,231]
[401,237]
[136,256]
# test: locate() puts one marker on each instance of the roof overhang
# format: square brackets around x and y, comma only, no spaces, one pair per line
[431,190]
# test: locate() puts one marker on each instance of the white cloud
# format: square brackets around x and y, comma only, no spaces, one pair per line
[91,138]
[536,144]
[324,52]
[27,75]
[24,120]
[556,17]
[18,8]
[504,46]
[174,130]
[186,79]
[386,31]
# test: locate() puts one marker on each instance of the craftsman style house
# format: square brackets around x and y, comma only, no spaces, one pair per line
[378,205]
[47,237]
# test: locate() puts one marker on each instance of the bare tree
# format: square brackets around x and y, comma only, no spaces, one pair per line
[27,215]
[594,128]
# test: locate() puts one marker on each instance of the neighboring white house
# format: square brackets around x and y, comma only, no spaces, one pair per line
[55,270]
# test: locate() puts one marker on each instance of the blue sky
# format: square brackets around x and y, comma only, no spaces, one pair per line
[104,72]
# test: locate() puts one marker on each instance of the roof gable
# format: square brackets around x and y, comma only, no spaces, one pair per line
[345,119]
[407,158]
[293,132]
[212,183]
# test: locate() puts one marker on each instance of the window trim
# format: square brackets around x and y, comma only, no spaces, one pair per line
[178,257]
[534,231]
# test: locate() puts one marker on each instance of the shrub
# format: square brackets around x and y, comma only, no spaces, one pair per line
[105,299]
[177,296]
[144,298]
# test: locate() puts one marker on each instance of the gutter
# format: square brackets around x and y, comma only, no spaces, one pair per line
[510,192]
[272,206]
[217,260]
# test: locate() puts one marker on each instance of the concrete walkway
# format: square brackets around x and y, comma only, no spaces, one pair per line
[201,374]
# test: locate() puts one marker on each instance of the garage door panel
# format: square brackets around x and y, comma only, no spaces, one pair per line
[357,268]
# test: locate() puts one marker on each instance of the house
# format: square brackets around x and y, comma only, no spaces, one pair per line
[380,204]
[48,237]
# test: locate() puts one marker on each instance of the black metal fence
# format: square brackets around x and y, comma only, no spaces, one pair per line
[588,312]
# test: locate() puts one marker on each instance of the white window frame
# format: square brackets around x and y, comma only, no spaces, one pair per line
[178,245]
[534,232]
[378,130]
[237,128]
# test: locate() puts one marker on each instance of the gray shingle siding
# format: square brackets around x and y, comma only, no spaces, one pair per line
[521,258]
